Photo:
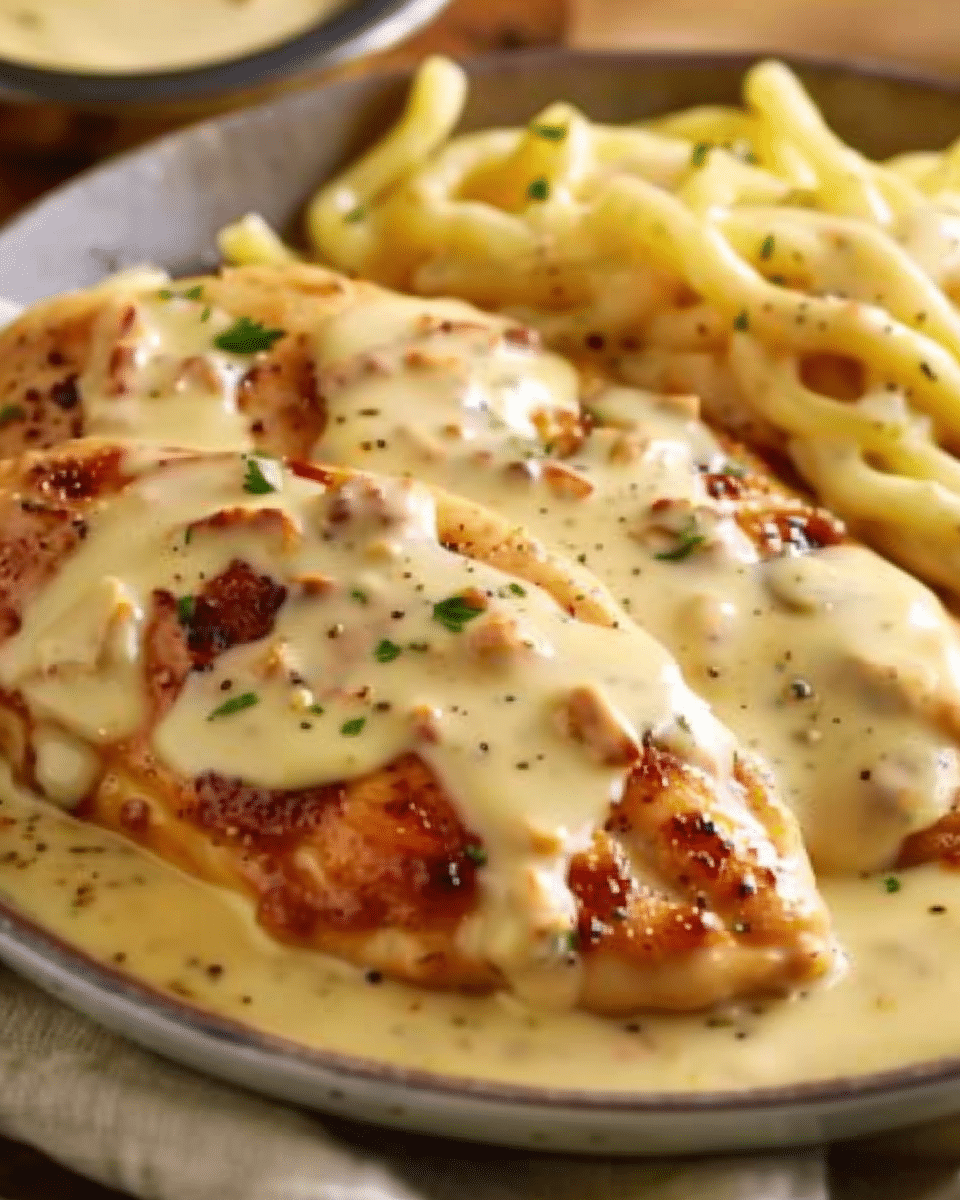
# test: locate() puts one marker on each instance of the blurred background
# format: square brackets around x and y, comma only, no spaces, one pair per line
[46,143]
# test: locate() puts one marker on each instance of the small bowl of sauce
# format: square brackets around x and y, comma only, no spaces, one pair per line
[127,51]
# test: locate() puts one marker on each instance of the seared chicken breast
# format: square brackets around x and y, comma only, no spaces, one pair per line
[413,736]
[836,667]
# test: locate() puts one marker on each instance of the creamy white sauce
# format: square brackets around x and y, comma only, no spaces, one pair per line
[200,943]
[128,35]
[840,669]
[358,669]
[866,757]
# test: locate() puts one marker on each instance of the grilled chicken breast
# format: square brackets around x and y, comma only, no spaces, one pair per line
[839,669]
[413,736]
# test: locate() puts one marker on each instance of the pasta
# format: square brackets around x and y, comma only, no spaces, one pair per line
[804,291]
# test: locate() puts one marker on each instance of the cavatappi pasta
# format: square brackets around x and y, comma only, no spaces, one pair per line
[806,293]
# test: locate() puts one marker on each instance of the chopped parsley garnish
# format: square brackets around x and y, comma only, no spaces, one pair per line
[737,470]
[387,651]
[687,542]
[11,412]
[165,294]
[767,247]
[359,595]
[539,189]
[316,709]
[247,337]
[355,214]
[352,728]
[234,705]
[552,133]
[892,884]
[195,293]
[741,322]
[186,606]
[699,155]
[205,315]
[454,613]
[569,941]
[517,589]
[477,854]
[255,481]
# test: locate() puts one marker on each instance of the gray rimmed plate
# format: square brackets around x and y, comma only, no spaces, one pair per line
[165,204]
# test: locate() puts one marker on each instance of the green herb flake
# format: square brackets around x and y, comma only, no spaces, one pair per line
[737,470]
[476,854]
[195,293]
[892,884]
[255,481]
[247,337]
[354,727]
[517,589]
[316,709]
[165,294]
[234,705]
[741,322]
[699,154]
[454,613]
[359,595]
[687,542]
[186,607]
[569,941]
[355,215]
[11,412]
[205,315]
[387,651]
[767,247]
[552,133]
[539,189]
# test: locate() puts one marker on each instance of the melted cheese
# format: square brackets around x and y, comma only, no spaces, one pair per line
[125,35]
[840,669]
[483,705]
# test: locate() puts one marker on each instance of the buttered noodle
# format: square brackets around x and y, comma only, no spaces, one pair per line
[806,293]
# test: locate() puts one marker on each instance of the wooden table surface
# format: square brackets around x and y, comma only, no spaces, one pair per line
[55,143]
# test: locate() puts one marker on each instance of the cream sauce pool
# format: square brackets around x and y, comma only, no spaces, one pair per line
[893,1005]
[127,35]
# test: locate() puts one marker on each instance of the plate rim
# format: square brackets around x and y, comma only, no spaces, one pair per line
[479,65]
[20,934]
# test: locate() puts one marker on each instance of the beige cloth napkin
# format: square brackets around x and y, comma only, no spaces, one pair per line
[135,1122]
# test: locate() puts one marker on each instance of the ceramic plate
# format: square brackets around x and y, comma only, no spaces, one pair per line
[164,205]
